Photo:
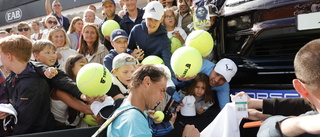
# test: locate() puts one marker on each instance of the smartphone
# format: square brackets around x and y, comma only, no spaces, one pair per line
[173,106]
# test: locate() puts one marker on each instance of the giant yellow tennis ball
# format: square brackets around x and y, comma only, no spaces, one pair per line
[158,114]
[88,119]
[201,40]
[94,79]
[175,43]
[108,26]
[186,61]
[152,60]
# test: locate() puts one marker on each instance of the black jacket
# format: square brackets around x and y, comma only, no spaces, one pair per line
[127,24]
[29,95]
[286,106]
[60,81]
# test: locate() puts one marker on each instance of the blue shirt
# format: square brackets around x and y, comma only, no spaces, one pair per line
[131,123]
[223,90]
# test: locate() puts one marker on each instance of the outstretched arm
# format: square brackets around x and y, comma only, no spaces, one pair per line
[48,7]
[303,124]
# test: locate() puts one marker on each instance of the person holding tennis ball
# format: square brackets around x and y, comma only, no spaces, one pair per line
[220,75]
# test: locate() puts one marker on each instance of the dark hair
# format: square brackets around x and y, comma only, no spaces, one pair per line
[138,76]
[201,77]
[83,44]
[70,64]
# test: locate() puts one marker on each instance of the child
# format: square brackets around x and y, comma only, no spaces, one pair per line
[44,51]
[202,93]
[119,41]
[27,91]
[123,66]
[67,109]
[66,117]
[170,23]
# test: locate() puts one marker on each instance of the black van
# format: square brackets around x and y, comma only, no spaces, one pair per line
[262,37]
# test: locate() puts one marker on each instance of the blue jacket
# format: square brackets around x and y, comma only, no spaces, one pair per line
[223,91]
[107,62]
[127,24]
[157,43]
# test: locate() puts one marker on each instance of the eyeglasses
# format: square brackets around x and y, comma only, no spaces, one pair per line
[167,16]
[54,22]
[23,29]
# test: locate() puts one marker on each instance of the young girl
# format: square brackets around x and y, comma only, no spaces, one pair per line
[170,23]
[60,40]
[74,32]
[202,93]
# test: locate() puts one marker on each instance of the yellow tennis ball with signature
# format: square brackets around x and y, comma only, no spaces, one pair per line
[94,79]
[186,61]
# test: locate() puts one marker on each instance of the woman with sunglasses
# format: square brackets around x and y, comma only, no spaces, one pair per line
[90,46]
[50,21]
[74,32]
[25,30]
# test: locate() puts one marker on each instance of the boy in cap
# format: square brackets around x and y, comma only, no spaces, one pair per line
[151,36]
[119,41]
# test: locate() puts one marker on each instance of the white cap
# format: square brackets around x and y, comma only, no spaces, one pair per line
[122,59]
[227,68]
[154,10]
[189,108]
[167,72]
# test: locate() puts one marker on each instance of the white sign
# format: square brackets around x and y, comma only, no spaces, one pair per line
[13,15]
[308,21]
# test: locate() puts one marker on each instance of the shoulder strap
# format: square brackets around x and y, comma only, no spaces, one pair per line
[111,119]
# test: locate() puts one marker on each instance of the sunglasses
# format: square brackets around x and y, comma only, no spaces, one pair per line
[56,27]
[53,22]
[23,29]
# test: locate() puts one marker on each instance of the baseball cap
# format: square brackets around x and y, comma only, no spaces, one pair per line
[118,33]
[154,10]
[123,59]
[103,1]
[227,68]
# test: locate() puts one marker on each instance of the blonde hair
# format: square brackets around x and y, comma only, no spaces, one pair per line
[56,29]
